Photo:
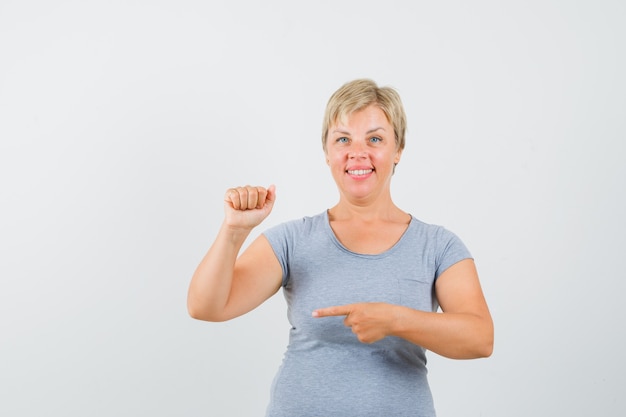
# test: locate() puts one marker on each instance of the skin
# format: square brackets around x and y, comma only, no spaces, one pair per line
[361,153]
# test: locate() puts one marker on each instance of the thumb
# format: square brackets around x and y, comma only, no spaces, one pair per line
[271,195]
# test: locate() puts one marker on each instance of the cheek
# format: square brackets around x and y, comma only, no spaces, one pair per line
[334,159]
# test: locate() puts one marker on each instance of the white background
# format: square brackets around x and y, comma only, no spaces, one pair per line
[122,123]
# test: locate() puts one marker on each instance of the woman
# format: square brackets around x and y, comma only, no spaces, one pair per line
[363,280]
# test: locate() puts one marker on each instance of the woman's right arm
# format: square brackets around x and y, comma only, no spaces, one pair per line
[226,285]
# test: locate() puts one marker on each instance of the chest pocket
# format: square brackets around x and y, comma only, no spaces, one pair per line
[417,292]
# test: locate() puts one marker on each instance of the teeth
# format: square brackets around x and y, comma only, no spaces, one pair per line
[359,171]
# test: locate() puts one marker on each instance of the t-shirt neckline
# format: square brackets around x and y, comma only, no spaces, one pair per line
[383,254]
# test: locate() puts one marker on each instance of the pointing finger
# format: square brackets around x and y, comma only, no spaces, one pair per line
[333,311]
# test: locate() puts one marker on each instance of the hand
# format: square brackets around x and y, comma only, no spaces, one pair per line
[370,322]
[246,207]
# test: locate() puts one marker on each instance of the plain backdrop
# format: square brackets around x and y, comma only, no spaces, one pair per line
[122,123]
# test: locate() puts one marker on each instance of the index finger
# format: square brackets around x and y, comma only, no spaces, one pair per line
[333,311]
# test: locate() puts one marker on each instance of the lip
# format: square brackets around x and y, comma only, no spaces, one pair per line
[360,173]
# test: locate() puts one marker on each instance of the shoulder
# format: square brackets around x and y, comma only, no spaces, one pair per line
[437,239]
[292,229]
[286,238]
[430,231]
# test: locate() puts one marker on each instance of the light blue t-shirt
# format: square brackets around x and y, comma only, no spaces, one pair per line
[326,371]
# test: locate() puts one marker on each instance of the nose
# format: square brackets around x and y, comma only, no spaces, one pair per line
[356,154]
[357,151]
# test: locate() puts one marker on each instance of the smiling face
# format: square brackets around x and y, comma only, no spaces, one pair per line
[361,151]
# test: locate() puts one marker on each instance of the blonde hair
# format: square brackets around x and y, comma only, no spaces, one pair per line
[359,94]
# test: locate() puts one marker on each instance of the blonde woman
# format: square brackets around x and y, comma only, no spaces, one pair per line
[363,280]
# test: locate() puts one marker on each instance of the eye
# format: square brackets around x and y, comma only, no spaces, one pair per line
[343,139]
[375,139]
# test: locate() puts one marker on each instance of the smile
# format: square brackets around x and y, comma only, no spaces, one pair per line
[360,171]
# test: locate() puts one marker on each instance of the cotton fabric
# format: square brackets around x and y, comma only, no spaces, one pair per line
[326,370]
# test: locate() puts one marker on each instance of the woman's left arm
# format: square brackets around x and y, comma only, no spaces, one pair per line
[464,329]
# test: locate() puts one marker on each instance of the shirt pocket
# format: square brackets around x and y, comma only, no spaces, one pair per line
[417,292]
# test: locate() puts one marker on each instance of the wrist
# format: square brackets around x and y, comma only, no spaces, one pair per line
[236,232]
[398,320]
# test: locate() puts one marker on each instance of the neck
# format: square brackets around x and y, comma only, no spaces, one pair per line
[379,211]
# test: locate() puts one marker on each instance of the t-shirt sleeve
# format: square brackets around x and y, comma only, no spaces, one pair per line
[279,239]
[450,251]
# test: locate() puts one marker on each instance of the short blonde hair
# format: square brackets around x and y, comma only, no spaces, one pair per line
[359,94]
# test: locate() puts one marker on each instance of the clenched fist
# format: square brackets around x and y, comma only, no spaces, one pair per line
[247,207]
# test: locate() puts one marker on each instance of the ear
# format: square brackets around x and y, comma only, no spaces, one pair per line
[398,156]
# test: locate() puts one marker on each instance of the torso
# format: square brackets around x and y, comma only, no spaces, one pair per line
[324,360]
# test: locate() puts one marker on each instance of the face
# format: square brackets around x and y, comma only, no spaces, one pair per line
[361,152]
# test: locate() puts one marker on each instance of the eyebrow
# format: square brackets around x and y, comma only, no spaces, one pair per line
[343,132]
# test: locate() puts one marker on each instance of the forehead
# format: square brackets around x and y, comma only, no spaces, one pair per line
[369,117]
